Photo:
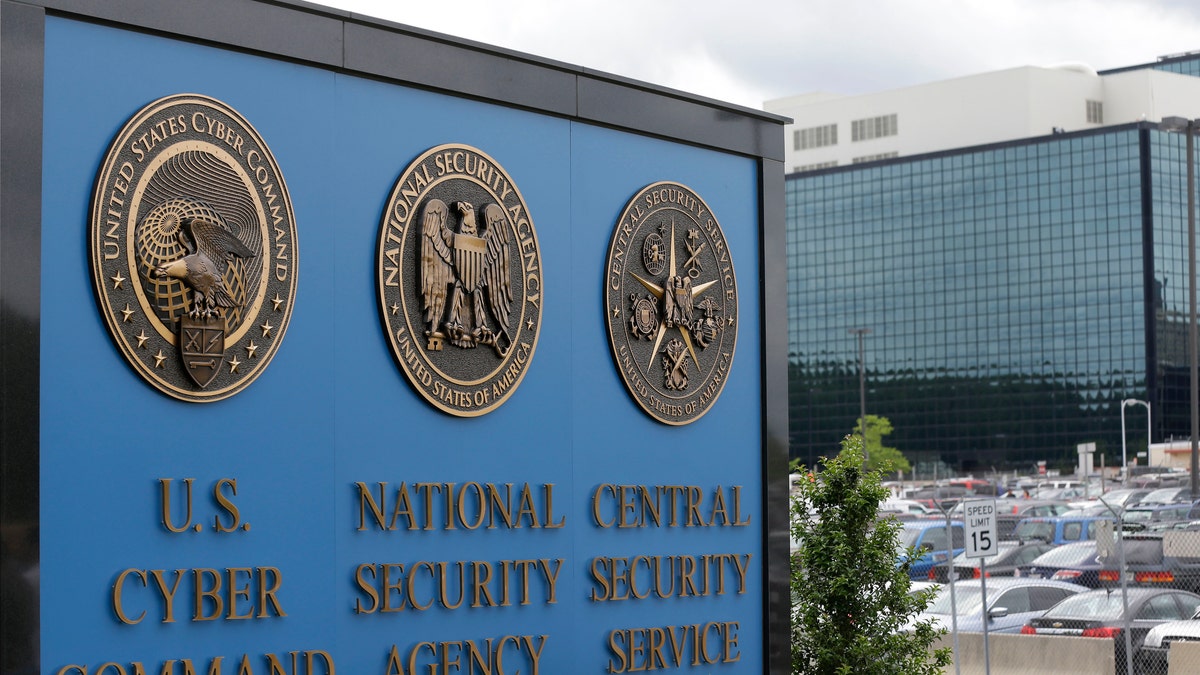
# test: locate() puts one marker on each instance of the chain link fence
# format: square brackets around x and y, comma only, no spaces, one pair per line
[1156,574]
[1140,595]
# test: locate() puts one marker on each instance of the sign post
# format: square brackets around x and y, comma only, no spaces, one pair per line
[980,523]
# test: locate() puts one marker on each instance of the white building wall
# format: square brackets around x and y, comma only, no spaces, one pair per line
[986,108]
[1149,95]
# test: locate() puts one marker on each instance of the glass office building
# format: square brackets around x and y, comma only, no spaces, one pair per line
[1015,294]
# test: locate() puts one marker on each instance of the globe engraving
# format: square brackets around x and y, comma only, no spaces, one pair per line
[160,240]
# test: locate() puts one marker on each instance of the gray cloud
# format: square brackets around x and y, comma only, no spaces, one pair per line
[753,51]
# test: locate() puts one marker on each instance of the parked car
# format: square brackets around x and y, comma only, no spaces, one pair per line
[1010,602]
[1009,556]
[1067,494]
[1077,563]
[928,539]
[1057,530]
[1061,484]
[1125,497]
[907,506]
[1152,657]
[1095,510]
[938,498]
[1009,512]
[1155,481]
[916,587]
[1145,516]
[1148,564]
[975,486]
[1167,495]
[1027,508]
[1100,613]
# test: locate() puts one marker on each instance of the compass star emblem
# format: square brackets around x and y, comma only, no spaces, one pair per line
[670,303]
[676,295]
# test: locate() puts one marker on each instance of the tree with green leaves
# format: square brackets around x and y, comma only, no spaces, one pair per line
[880,457]
[852,612]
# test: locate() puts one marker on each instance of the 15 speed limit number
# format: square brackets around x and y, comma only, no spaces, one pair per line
[980,521]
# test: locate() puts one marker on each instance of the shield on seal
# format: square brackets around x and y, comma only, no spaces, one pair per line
[468,259]
[202,344]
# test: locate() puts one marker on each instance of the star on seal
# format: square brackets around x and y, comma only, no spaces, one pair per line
[675,353]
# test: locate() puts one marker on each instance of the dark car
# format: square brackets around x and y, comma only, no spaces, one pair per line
[1101,614]
[1150,516]
[1076,563]
[1148,562]
[1009,556]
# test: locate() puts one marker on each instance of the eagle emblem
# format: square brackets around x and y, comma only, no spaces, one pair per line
[209,245]
[465,285]
[195,269]
[460,280]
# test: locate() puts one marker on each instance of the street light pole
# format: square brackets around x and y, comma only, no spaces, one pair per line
[1124,455]
[862,388]
[1188,126]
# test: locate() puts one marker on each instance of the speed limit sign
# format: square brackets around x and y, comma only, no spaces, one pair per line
[980,519]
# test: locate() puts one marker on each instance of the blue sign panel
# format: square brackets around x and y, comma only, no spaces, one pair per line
[328,516]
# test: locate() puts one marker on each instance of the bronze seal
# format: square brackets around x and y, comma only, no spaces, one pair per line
[193,248]
[670,296]
[460,280]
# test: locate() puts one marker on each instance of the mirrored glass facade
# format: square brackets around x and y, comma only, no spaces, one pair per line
[1015,295]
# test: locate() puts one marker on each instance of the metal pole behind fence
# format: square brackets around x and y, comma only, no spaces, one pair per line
[1119,542]
[950,579]
[1125,596]
[987,652]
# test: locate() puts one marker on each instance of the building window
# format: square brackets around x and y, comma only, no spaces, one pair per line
[815,137]
[1095,112]
[814,167]
[874,127]
[872,158]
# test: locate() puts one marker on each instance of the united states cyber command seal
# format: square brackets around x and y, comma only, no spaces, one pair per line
[460,280]
[193,248]
[670,297]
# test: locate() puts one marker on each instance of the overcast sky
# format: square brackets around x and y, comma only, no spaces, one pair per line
[749,51]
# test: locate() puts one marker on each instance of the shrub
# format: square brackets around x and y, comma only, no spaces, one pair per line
[852,613]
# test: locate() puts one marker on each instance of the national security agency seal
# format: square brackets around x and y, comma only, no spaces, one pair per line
[670,298]
[460,280]
[193,248]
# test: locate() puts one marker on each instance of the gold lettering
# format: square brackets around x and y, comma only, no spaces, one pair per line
[412,575]
[118,595]
[266,594]
[167,595]
[367,588]
[388,587]
[213,594]
[612,489]
[236,592]
[479,588]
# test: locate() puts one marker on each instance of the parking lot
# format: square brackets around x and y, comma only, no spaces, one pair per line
[1078,582]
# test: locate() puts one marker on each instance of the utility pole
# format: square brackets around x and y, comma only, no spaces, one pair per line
[862,387]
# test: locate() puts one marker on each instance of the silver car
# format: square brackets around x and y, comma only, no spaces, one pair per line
[1010,603]
[1152,658]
